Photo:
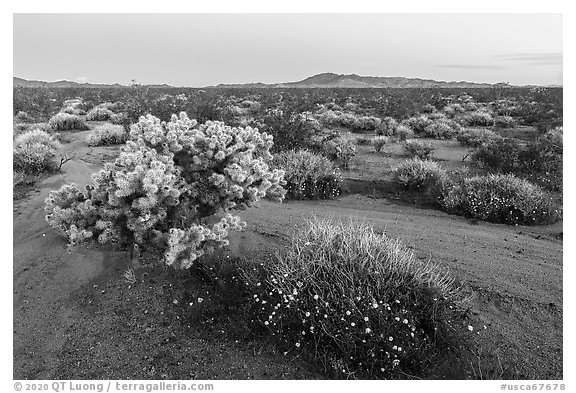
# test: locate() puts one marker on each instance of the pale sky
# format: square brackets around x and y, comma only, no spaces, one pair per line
[207,49]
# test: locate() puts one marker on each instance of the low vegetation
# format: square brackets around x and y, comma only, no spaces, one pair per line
[107,134]
[308,175]
[358,303]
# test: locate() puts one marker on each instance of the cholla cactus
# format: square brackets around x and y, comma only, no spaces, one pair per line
[169,178]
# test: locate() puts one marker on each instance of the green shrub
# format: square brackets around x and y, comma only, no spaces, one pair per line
[367,123]
[23,117]
[99,113]
[73,111]
[340,149]
[420,175]
[417,123]
[358,302]
[476,137]
[403,132]
[504,122]
[379,142]
[502,199]
[428,108]
[499,154]
[363,141]
[34,152]
[422,150]
[308,175]
[67,122]
[439,130]
[387,126]
[478,118]
[452,110]
[107,134]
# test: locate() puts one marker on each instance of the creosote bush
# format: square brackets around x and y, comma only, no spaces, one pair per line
[403,132]
[379,142]
[358,302]
[479,118]
[107,134]
[504,122]
[423,175]
[502,199]
[476,137]
[308,175]
[34,152]
[387,126]
[340,149]
[422,150]
[99,113]
[168,181]
[67,122]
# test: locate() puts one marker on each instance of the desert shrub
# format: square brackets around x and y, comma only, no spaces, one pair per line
[168,181]
[500,154]
[107,134]
[439,130]
[387,126]
[504,122]
[358,302]
[348,120]
[476,137]
[290,130]
[422,150]
[545,156]
[73,111]
[363,141]
[437,116]
[428,108]
[252,106]
[379,142]
[452,110]
[420,175]
[403,133]
[34,152]
[308,175]
[500,198]
[99,113]
[479,118]
[23,117]
[340,149]
[368,123]
[119,118]
[417,123]
[67,122]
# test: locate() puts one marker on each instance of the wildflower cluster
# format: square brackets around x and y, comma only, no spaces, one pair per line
[502,199]
[169,178]
[358,302]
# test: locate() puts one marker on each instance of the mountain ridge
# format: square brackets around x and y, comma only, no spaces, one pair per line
[322,80]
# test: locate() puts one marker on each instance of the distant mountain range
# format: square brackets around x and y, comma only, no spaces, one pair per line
[325,80]
[20,82]
[330,80]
